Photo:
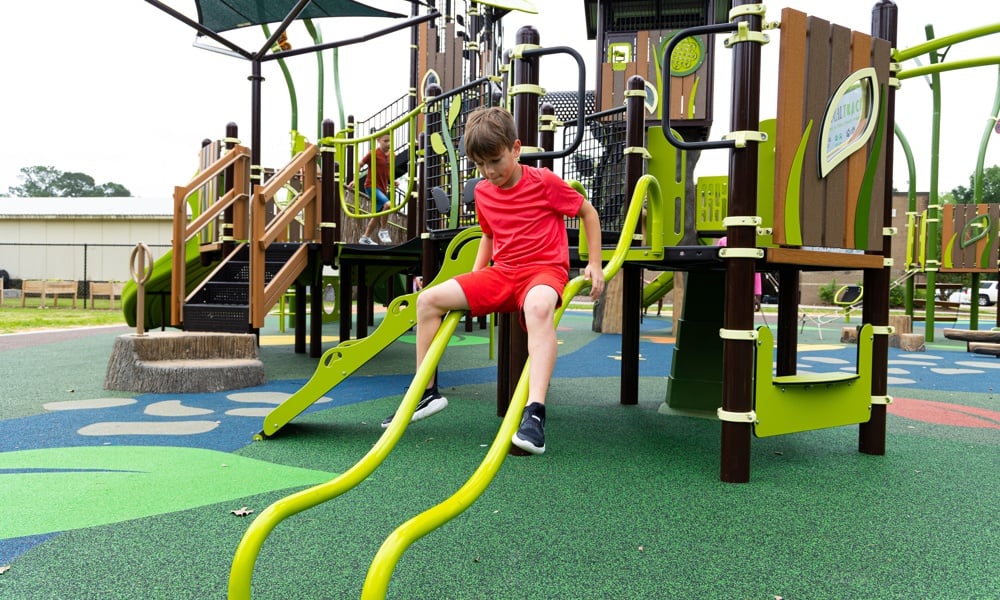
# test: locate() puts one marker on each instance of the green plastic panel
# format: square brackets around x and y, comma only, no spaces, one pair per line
[808,401]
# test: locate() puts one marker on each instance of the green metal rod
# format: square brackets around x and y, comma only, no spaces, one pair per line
[292,98]
[943,42]
[911,208]
[954,65]
[977,195]
[317,37]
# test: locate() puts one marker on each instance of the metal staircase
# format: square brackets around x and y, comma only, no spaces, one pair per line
[222,302]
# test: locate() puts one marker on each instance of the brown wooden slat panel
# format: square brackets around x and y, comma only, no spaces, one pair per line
[835,227]
[607,87]
[789,126]
[817,91]
[881,58]
[861,56]
[816,258]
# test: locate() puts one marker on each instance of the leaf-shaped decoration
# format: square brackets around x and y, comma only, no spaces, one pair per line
[57,489]
[437,143]
[850,118]
[454,110]
[976,229]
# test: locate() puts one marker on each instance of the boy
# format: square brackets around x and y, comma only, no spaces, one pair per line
[379,193]
[522,213]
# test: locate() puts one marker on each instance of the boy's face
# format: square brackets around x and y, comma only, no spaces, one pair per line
[502,170]
[383,143]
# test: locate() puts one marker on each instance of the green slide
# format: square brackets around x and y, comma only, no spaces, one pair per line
[339,362]
[657,288]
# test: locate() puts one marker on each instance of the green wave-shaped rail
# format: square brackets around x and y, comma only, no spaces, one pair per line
[377,581]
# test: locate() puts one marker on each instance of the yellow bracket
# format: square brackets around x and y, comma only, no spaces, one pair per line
[525,88]
[745,34]
[519,50]
[742,137]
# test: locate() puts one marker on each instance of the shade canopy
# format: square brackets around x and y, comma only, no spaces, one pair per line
[225,15]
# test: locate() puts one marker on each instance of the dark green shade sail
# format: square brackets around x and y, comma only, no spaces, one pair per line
[224,15]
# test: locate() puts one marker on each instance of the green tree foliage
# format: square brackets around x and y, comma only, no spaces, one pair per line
[49,182]
[991,188]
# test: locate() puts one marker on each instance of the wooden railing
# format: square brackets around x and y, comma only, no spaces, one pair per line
[239,158]
[306,208]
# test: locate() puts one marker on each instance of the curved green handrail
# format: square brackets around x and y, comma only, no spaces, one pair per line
[377,581]
[241,571]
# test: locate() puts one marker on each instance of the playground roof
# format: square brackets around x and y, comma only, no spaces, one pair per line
[224,15]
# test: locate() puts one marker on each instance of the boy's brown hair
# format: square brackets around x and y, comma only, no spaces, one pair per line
[488,132]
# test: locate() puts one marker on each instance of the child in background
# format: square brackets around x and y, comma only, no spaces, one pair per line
[380,193]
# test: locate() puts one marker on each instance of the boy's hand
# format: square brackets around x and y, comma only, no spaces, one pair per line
[595,275]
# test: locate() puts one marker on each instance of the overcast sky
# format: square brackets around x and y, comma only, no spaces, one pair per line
[115,89]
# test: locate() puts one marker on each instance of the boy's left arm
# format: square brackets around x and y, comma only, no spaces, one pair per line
[591,222]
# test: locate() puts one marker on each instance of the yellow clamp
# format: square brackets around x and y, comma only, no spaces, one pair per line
[744,221]
[230,140]
[634,93]
[736,417]
[327,225]
[525,88]
[744,335]
[637,150]
[742,137]
[882,400]
[883,330]
[887,262]
[519,50]
[745,10]
[744,34]
[728,252]
[889,231]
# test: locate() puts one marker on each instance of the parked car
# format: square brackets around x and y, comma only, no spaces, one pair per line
[987,295]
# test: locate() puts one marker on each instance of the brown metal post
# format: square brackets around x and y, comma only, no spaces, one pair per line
[737,355]
[635,137]
[329,210]
[525,111]
[875,310]
[227,239]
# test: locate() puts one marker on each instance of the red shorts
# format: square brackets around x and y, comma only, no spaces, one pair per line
[500,290]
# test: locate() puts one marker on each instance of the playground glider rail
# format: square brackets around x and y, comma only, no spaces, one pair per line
[377,581]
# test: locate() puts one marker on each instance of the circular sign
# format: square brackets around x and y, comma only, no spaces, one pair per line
[687,57]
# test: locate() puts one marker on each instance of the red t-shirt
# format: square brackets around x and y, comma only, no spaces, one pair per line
[527,221]
[381,171]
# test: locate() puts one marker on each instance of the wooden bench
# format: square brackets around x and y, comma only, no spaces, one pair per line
[45,289]
[111,289]
[954,307]
[33,287]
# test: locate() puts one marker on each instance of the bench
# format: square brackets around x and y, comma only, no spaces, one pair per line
[110,289]
[48,288]
[920,303]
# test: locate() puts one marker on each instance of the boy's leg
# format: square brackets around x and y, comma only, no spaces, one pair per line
[432,304]
[539,311]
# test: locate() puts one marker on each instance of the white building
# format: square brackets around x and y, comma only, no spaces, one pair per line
[80,238]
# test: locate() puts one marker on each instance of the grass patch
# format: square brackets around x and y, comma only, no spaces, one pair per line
[33,317]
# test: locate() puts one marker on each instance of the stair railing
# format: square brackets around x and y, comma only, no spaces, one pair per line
[237,157]
[306,208]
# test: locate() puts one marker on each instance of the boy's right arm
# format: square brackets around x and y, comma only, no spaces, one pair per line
[485,253]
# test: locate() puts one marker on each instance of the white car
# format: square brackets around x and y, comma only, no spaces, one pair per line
[987,294]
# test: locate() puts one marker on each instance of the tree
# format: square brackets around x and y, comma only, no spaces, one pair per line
[49,182]
[991,188]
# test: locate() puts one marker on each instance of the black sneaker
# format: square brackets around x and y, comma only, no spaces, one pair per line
[530,436]
[431,403]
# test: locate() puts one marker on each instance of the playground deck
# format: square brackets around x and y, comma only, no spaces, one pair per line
[112,495]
